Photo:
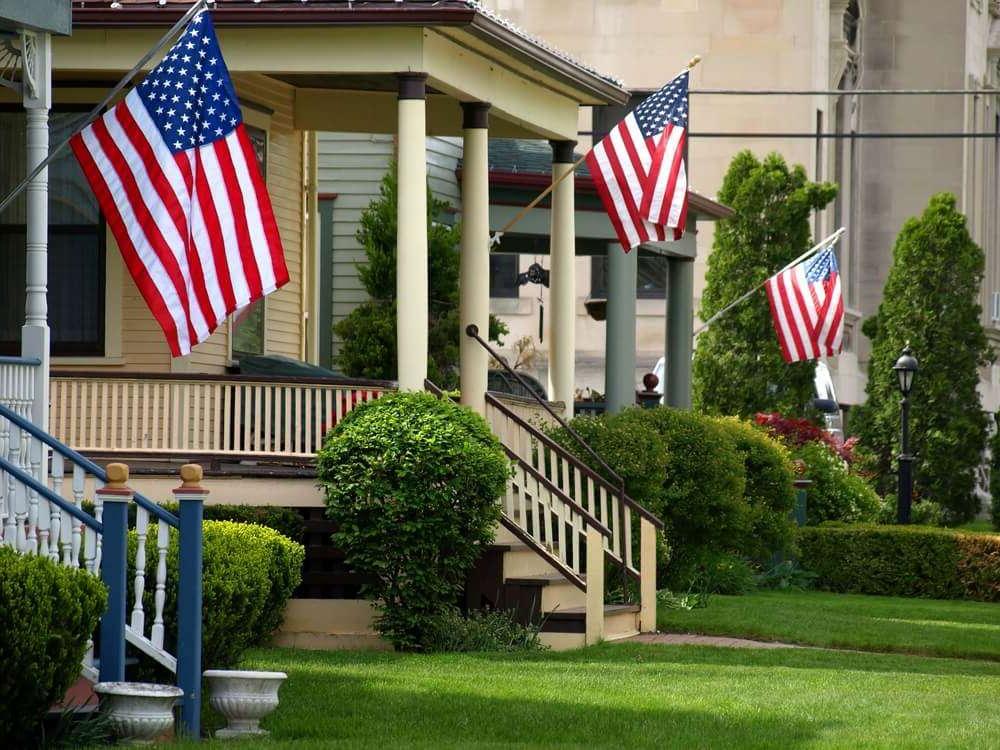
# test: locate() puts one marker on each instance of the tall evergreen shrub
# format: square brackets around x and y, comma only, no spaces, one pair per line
[931,299]
[738,369]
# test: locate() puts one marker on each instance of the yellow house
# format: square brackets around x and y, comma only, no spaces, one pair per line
[409,69]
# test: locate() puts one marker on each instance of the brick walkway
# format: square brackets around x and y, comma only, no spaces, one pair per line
[687,639]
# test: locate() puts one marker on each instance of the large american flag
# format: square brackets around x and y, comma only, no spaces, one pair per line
[807,307]
[639,168]
[177,179]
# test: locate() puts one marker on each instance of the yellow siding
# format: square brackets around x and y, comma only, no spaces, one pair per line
[143,346]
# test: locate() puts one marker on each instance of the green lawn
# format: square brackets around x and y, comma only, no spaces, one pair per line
[980,527]
[871,623]
[631,695]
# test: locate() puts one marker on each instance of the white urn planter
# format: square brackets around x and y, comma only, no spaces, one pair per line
[244,698]
[139,712]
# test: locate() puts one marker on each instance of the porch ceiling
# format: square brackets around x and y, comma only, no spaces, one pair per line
[342,58]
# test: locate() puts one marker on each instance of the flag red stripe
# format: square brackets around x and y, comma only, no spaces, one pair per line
[203,195]
[606,198]
[797,347]
[633,210]
[250,270]
[147,222]
[267,212]
[147,287]
[776,319]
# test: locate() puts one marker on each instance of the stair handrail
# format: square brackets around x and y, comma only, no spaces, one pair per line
[84,463]
[472,331]
[33,484]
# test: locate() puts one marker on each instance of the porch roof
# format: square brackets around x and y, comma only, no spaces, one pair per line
[342,57]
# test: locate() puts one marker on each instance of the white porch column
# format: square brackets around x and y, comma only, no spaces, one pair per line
[35,333]
[562,284]
[474,285]
[411,234]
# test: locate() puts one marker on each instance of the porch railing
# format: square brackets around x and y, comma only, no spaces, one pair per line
[245,416]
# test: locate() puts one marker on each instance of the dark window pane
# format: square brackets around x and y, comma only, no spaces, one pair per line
[503,275]
[651,277]
[248,330]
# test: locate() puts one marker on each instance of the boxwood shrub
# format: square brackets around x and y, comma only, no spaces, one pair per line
[412,482]
[47,613]
[902,561]
[248,574]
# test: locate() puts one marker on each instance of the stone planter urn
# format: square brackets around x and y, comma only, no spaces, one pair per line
[139,712]
[244,698]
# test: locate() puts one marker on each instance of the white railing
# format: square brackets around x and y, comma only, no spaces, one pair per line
[530,410]
[213,415]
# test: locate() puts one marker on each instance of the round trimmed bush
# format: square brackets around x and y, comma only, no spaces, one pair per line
[412,482]
[835,493]
[248,574]
[47,614]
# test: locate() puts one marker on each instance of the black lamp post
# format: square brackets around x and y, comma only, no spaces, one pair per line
[905,369]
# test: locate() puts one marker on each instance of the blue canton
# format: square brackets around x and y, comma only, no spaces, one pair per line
[820,266]
[669,104]
[189,94]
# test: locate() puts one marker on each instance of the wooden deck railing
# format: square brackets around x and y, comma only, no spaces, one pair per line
[238,416]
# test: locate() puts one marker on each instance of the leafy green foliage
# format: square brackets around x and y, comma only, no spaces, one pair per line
[369,332]
[481,631]
[769,491]
[903,561]
[738,369]
[931,299]
[786,575]
[412,483]
[286,521]
[47,613]
[248,574]
[835,494]
[712,571]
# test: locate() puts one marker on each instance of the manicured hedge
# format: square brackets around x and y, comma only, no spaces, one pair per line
[47,613]
[248,575]
[903,561]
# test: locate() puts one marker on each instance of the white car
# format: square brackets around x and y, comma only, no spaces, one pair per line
[825,401]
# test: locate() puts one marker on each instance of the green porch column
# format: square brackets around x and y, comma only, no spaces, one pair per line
[619,348]
[680,325]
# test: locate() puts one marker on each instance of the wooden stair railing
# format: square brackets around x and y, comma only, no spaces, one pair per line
[36,518]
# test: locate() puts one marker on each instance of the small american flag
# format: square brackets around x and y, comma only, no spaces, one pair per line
[177,180]
[807,307]
[639,168]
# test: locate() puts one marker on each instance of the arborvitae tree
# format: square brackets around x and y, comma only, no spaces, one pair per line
[931,300]
[738,369]
[368,333]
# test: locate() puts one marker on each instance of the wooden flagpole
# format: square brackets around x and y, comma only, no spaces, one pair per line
[811,251]
[495,239]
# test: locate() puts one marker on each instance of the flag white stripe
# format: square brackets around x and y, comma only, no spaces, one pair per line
[148,257]
[616,195]
[203,246]
[641,147]
[663,178]
[680,197]
[781,318]
[258,240]
[634,180]
[811,311]
[220,196]
[788,283]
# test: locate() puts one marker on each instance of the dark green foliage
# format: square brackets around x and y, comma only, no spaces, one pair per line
[769,488]
[480,631]
[931,299]
[738,369]
[412,483]
[248,574]
[369,332]
[903,561]
[712,571]
[47,613]
[786,575]
[835,494]
[286,521]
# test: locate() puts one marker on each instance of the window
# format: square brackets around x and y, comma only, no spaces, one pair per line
[76,252]
[248,323]
[503,275]
[651,277]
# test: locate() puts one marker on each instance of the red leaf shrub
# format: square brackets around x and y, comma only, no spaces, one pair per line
[796,432]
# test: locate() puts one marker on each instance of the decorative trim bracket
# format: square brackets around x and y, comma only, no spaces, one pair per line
[10,63]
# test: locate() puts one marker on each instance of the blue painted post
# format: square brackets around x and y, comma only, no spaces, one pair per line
[191,497]
[115,496]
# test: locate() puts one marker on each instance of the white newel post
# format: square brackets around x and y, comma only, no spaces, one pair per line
[37,68]
[411,234]
[474,286]
[562,289]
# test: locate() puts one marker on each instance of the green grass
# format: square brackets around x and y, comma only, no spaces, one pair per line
[630,695]
[980,527]
[870,623]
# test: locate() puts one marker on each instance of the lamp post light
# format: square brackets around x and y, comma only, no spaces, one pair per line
[905,368]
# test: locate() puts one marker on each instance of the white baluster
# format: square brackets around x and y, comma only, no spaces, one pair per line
[99,515]
[79,479]
[141,524]
[61,529]
[18,511]
[160,598]
[34,448]
[89,550]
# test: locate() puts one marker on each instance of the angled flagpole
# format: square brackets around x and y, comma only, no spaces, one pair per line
[498,235]
[832,239]
[96,111]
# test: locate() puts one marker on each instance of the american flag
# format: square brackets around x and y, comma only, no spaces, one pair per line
[177,179]
[639,168]
[807,307]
